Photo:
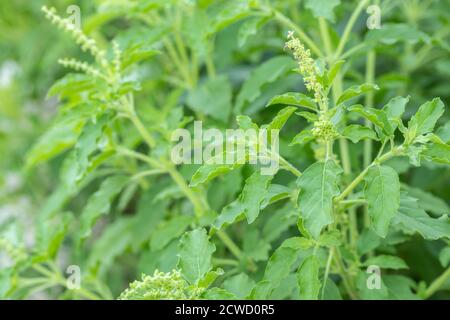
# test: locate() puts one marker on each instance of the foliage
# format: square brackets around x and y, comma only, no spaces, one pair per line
[364,150]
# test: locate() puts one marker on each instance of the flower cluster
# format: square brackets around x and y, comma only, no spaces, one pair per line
[80,66]
[307,67]
[86,43]
[161,286]
[15,253]
[324,129]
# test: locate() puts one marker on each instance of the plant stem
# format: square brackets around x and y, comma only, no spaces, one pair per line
[234,249]
[360,177]
[437,283]
[345,279]
[327,270]
[299,31]
[193,198]
[349,27]
[369,103]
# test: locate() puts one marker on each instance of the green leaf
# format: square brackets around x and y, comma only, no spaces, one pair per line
[218,294]
[266,73]
[230,214]
[309,116]
[411,219]
[400,287]
[250,27]
[112,243]
[210,277]
[195,252]
[293,99]
[82,159]
[279,265]
[368,241]
[61,135]
[355,91]
[169,230]
[396,107]
[280,119]
[426,117]
[444,257]
[226,13]
[376,116]
[208,172]
[437,151]
[318,186]
[303,137]
[254,246]
[367,288]
[334,70]
[331,291]
[322,8]
[254,193]
[356,133]
[392,33]
[70,85]
[308,278]
[386,262]
[213,98]
[245,122]
[99,203]
[382,192]
[427,201]
[240,285]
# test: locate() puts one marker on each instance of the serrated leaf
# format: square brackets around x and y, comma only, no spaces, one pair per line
[318,186]
[99,203]
[426,117]
[400,287]
[386,262]
[364,282]
[355,133]
[208,172]
[322,8]
[280,119]
[334,70]
[427,201]
[254,193]
[249,28]
[169,230]
[218,294]
[382,192]
[213,98]
[230,214]
[355,91]
[309,116]
[308,278]
[240,285]
[411,219]
[61,135]
[267,72]
[437,152]
[195,253]
[392,33]
[395,108]
[293,99]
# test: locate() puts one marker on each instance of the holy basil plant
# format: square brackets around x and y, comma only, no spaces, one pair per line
[357,206]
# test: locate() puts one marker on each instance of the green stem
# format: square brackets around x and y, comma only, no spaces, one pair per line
[190,194]
[349,27]
[301,34]
[344,274]
[360,177]
[327,271]
[437,283]
[369,102]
